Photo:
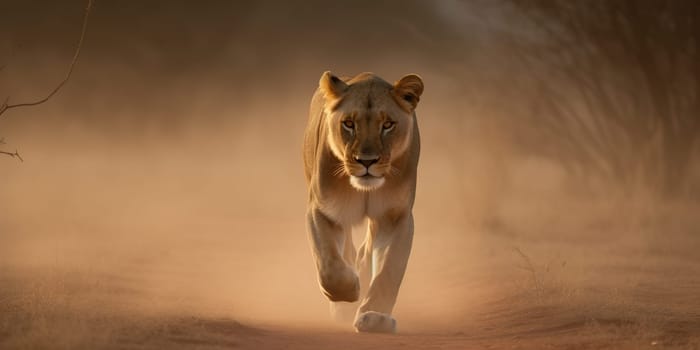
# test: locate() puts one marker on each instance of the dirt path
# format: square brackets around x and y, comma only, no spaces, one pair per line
[188,333]
[229,280]
[648,301]
[613,337]
[45,315]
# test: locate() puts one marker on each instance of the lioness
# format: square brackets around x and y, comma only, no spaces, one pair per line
[361,155]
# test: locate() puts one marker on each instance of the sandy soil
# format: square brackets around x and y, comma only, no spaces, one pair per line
[631,305]
[606,290]
[141,247]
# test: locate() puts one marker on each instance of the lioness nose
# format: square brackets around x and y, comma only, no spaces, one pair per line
[367,160]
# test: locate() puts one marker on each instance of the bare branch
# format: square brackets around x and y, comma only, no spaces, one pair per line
[13,155]
[5,106]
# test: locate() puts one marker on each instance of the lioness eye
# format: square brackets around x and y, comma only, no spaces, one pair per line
[349,124]
[388,125]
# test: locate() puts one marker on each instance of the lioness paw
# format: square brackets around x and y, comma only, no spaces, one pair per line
[341,285]
[375,322]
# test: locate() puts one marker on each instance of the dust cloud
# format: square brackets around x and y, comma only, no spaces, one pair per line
[162,190]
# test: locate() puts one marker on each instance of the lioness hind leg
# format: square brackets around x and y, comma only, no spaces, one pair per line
[363,264]
[346,312]
[343,312]
[349,252]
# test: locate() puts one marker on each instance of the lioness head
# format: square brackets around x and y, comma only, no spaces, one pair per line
[370,123]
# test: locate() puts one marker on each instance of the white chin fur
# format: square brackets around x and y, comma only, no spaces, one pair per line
[366,183]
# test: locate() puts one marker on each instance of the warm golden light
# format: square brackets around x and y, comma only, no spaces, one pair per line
[161,202]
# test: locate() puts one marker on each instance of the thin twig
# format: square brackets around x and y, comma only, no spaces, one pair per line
[13,155]
[5,106]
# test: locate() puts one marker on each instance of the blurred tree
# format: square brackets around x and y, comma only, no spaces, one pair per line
[5,105]
[615,86]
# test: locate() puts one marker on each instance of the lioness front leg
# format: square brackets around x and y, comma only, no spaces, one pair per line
[391,240]
[337,279]
[341,311]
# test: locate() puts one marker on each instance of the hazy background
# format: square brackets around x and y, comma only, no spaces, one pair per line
[166,176]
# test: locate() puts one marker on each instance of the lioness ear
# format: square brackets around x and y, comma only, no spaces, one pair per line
[408,90]
[331,86]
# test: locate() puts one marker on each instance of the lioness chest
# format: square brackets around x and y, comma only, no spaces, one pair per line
[351,207]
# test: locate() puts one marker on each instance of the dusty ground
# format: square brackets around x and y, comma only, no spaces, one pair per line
[142,247]
[649,301]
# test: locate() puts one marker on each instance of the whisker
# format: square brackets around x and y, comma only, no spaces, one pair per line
[339,170]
